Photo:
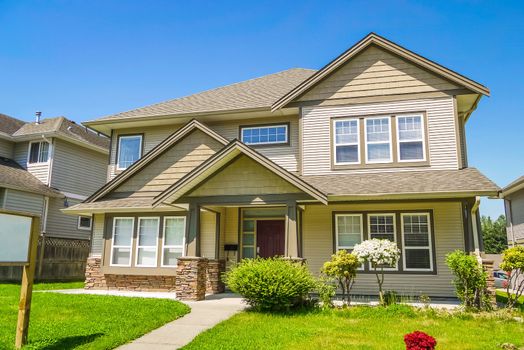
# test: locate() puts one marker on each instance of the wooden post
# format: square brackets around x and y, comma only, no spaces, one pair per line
[26,292]
[41,258]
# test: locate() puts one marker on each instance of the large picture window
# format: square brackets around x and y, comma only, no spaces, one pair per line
[38,152]
[382,226]
[129,150]
[265,135]
[146,248]
[347,137]
[349,230]
[410,136]
[173,239]
[416,242]
[122,241]
[378,140]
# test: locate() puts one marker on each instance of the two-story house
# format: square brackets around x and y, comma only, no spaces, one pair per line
[46,166]
[513,195]
[299,163]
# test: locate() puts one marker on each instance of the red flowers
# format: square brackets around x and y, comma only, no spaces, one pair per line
[419,341]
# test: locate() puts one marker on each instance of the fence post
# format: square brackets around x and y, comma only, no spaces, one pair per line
[41,256]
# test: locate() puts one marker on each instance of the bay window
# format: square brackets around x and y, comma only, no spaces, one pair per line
[122,241]
[410,136]
[378,140]
[146,248]
[173,239]
[347,141]
[416,242]
[129,150]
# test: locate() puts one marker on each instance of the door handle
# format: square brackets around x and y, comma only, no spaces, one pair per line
[258,251]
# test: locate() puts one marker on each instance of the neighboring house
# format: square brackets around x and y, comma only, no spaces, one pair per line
[299,163]
[513,195]
[48,165]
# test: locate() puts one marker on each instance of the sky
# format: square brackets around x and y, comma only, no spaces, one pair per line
[88,59]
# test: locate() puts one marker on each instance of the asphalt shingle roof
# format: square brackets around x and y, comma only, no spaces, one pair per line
[12,175]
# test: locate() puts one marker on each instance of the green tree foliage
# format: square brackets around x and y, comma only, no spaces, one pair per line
[343,268]
[494,234]
[513,264]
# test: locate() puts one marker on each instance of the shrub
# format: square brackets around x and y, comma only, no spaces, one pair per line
[470,280]
[271,284]
[379,253]
[419,341]
[343,268]
[326,291]
[390,297]
[513,265]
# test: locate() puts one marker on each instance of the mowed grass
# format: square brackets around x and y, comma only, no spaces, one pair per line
[358,328]
[61,321]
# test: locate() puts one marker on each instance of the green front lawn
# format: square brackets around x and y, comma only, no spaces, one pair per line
[502,297]
[61,321]
[358,328]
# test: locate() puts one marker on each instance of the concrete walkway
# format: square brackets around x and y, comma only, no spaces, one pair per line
[204,315]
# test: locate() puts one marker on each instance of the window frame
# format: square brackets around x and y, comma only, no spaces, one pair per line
[286,125]
[430,242]
[113,241]
[423,138]
[84,227]
[361,218]
[335,145]
[395,233]
[390,141]
[31,143]
[138,246]
[172,246]
[119,147]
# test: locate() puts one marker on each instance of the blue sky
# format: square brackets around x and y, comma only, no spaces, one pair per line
[86,59]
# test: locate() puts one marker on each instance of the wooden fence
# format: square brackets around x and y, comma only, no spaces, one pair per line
[59,259]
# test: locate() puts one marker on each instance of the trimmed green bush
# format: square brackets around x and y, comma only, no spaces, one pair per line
[271,284]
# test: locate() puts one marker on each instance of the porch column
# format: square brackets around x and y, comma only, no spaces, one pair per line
[193,231]
[292,239]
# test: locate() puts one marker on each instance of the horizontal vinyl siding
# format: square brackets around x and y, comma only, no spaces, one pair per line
[207,234]
[448,232]
[517,215]
[7,148]
[40,171]
[24,201]
[231,234]
[316,148]
[62,225]
[97,240]
[76,169]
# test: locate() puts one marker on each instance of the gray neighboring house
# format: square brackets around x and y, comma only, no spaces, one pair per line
[46,166]
[513,195]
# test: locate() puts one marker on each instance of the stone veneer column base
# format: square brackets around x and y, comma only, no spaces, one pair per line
[487,265]
[95,279]
[214,283]
[190,283]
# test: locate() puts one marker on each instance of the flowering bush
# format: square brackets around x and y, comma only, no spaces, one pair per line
[419,341]
[379,253]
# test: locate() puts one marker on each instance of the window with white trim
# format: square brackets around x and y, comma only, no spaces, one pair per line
[122,241]
[38,152]
[129,150]
[265,135]
[410,136]
[416,242]
[84,223]
[382,226]
[147,242]
[173,239]
[347,138]
[378,140]
[348,228]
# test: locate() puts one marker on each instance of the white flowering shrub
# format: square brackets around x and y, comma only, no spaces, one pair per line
[379,253]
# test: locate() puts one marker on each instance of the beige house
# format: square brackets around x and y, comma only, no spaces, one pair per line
[513,196]
[299,163]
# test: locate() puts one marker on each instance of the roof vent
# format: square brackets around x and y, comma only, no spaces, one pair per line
[38,115]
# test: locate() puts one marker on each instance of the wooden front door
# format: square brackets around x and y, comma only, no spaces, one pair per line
[270,238]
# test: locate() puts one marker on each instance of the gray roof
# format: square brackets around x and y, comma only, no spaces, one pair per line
[249,94]
[65,127]
[430,182]
[9,125]
[12,175]
[514,184]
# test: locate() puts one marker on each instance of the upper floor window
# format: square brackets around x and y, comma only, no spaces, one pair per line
[410,135]
[38,152]
[265,135]
[129,150]
[346,141]
[378,140]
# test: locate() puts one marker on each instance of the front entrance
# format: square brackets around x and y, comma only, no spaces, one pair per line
[270,238]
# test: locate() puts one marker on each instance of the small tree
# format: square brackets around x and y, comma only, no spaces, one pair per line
[470,280]
[343,268]
[379,253]
[513,264]
[494,234]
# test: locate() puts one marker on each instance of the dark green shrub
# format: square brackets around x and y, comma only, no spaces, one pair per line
[390,297]
[271,284]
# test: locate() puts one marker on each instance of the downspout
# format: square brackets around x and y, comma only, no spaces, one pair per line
[474,225]
[509,219]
